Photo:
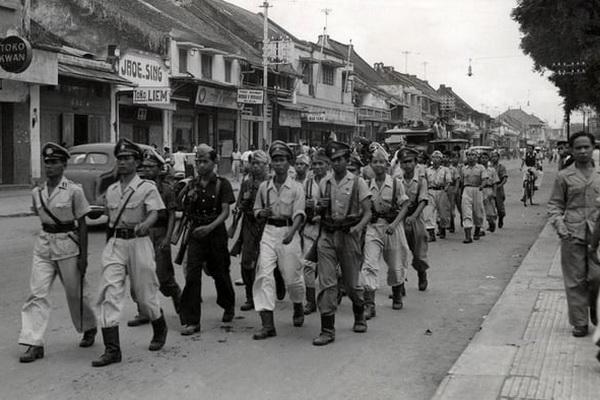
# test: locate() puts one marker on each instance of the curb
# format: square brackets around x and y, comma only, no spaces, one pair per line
[481,370]
[17,215]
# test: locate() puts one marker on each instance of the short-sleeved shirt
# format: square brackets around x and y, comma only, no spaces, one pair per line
[490,176]
[145,198]
[341,193]
[382,196]
[67,202]
[454,173]
[236,156]
[416,190]
[179,161]
[245,157]
[287,202]
[472,175]
[247,195]
[439,177]
[204,201]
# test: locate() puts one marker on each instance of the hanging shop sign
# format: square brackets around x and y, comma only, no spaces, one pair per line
[250,96]
[151,96]
[15,54]
[214,97]
[145,70]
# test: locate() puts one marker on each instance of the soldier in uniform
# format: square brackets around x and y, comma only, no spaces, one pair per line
[60,250]
[132,205]
[301,167]
[206,201]
[385,241]
[500,195]
[471,176]
[311,229]
[453,189]
[161,233]
[346,210]
[252,227]
[439,180]
[280,201]
[490,181]
[415,187]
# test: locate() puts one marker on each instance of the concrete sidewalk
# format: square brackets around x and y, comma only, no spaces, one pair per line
[525,349]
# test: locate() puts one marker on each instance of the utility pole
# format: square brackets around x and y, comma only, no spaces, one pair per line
[265,64]
[406,53]
[325,11]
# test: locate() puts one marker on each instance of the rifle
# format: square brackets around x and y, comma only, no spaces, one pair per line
[185,233]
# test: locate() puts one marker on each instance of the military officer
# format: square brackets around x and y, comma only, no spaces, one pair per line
[206,201]
[415,187]
[60,250]
[472,176]
[132,205]
[490,180]
[346,210]
[252,227]
[439,180]
[500,195]
[161,233]
[280,201]
[385,241]
[453,190]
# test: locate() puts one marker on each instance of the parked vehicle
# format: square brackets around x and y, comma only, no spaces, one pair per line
[481,149]
[416,138]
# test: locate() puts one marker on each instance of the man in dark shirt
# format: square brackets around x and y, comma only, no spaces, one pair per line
[206,200]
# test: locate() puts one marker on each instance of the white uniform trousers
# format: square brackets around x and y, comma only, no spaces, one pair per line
[473,213]
[36,310]
[381,249]
[133,257]
[273,253]
[437,210]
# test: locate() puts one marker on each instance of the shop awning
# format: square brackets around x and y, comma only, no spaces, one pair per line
[332,63]
[310,60]
[290,118]
[290,106]
[91,74]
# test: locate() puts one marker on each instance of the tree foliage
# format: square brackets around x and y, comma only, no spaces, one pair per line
[564,31]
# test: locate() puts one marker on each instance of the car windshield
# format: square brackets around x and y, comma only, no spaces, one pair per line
[88,158]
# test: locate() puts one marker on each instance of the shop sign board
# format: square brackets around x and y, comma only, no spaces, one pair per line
[250,96]
[145,70]
[316,117]
[151,96]
[214,97]
[279,51]
[15,54]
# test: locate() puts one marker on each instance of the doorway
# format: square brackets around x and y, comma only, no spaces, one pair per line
[6,144]
[80,128]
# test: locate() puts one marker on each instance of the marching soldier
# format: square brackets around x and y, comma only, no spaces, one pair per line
[439,180]
[60,250]
[500,195]
[346,205]
[453,189]
[252,227]
[490,180]
[415,187]
[301,167]
[385,239]
[280,201]
[161,233]
[311,229]
[206,201]
[472,175]
[132,205]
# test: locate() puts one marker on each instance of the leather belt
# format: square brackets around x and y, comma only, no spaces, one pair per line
[437,187]
[126,233]
[471,185]
[63,228]
[278,222]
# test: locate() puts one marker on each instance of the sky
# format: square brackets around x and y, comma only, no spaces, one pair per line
[442,33]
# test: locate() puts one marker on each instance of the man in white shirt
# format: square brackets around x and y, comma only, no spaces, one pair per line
[179,161]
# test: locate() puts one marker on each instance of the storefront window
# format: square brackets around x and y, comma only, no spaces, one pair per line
[227,71]
[206,66]
[328,75]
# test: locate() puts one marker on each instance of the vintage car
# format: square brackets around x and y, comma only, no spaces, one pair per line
[93,166]
[481,149]
[417,138]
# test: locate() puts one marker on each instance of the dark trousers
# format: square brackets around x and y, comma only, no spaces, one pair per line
[416,236]
[211,255]
[164,264]
[251,233]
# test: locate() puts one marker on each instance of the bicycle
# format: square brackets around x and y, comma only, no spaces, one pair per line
[528,187]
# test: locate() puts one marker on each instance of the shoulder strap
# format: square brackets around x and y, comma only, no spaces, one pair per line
[218,193]
[125,205]
[328,194]
[47,211]
[394,195]
[353,194]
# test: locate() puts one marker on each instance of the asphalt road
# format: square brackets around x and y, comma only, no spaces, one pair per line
[404,354]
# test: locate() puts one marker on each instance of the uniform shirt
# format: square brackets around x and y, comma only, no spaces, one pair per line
[287,202]
[416,190]
[439,177]
[501,171]
[341,192]
[67,202]
[179,161]
[472,176]
[145,199]
[573,203]
[382,196]
[489,176]
[236,156]
[204,201]
[169,199]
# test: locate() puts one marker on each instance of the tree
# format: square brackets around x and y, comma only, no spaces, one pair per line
[565,32]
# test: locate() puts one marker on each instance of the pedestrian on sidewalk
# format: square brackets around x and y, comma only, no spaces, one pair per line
[60,250]
[574,212]
[236,163]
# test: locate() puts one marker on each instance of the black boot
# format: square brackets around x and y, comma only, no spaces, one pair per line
[112,348]
[477,233]
[32,353]
[422,275]
[298,317]
[492,224]
[249,304]
[442,233]
[89,337]
[159,327]
[279,284]
[500,222]
[268,326]
[452,228]
[360,322]
[397,298]
[311,301]
[176,298]
[369,304]
[327,334]
[468,238]
[431,235]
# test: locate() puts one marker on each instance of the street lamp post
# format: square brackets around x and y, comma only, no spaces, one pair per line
[265,65]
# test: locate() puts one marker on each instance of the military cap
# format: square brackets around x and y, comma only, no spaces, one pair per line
[320,155]
[53,151]
[152,156]
[259,156]
[562,143]
[407,153]
[380,153]
[336,149]
[355,160]
[279,148]
[437,153]
[303,158]
[205,150]
[126,147]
